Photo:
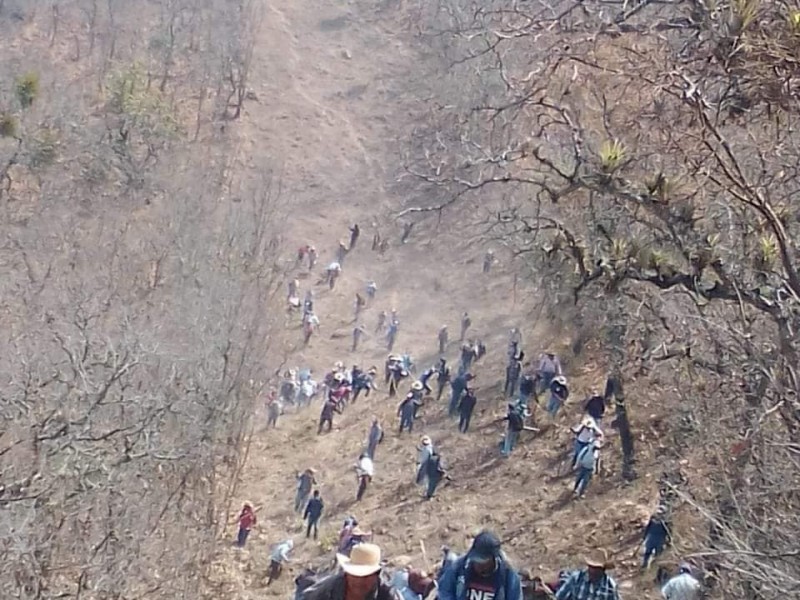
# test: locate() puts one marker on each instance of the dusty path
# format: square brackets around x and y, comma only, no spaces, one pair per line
[338,85]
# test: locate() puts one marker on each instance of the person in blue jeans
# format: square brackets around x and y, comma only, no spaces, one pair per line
[515,418]
[656,536]
[587,465]
[482,573]
[313,513]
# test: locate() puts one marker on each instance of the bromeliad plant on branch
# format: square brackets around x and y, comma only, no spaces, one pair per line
[652,157]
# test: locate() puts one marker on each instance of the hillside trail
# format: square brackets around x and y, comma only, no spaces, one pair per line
[338,84]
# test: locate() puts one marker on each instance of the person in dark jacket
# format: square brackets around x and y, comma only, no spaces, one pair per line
[435,473]
[457,387]
[374,437]
[407,411]
[326,416]
[313,513]
[358,578]
[558,395]
[595,407]
[515,418]
[442,377]
[483,573]
[656,536]
[527,385]
[364,382]
[513,371]
[355,232]
[465,408]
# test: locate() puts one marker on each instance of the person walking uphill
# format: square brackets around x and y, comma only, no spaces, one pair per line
[426,450]
[465,408]
[247,520]
[656,536]
[313,513]
[515,418]
[684,586]
[305,483]
[443,339]
[435,472]
[466,322]
[358,578]
[483,573]
[278,558]
[442,377]
[374,437]
[407,411]
[591,583]
[326,416]
[457,387]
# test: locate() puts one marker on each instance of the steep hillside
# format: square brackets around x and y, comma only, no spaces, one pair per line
[338,84]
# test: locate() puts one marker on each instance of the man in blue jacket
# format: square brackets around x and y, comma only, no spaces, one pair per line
[483,573]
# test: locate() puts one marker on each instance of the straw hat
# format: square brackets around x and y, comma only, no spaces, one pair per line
[425,440]
[599,559]
[364,560]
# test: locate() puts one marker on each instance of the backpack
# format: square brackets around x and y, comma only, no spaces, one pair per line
[586,458]
[515,421]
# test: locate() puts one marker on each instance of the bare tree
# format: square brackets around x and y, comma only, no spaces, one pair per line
[639,159]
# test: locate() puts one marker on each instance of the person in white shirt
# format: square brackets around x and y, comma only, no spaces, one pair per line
[549,368]
[365,469]
[683,586]
[279,556]
[585,432]
[365,466]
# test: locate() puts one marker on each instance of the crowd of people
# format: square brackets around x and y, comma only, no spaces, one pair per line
[535,392]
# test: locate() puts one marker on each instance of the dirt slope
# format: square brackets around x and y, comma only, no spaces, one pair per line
[338,83]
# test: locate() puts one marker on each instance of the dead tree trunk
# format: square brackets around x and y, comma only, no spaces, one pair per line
[617,332]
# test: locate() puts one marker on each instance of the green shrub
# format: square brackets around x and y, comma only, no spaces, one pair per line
[27,88]
[9,125]
[129,94]
[43,149]
[612,154]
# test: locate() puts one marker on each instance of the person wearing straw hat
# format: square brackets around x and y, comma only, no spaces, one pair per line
[591,583]
[407,411]
[358,578]
[586,462]
[425,450]
[586,431]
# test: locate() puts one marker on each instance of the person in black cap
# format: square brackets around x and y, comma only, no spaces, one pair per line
[483,573]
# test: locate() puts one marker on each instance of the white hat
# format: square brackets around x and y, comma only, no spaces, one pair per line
[338,377]
[364,560]
[425,440]
[417,385]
